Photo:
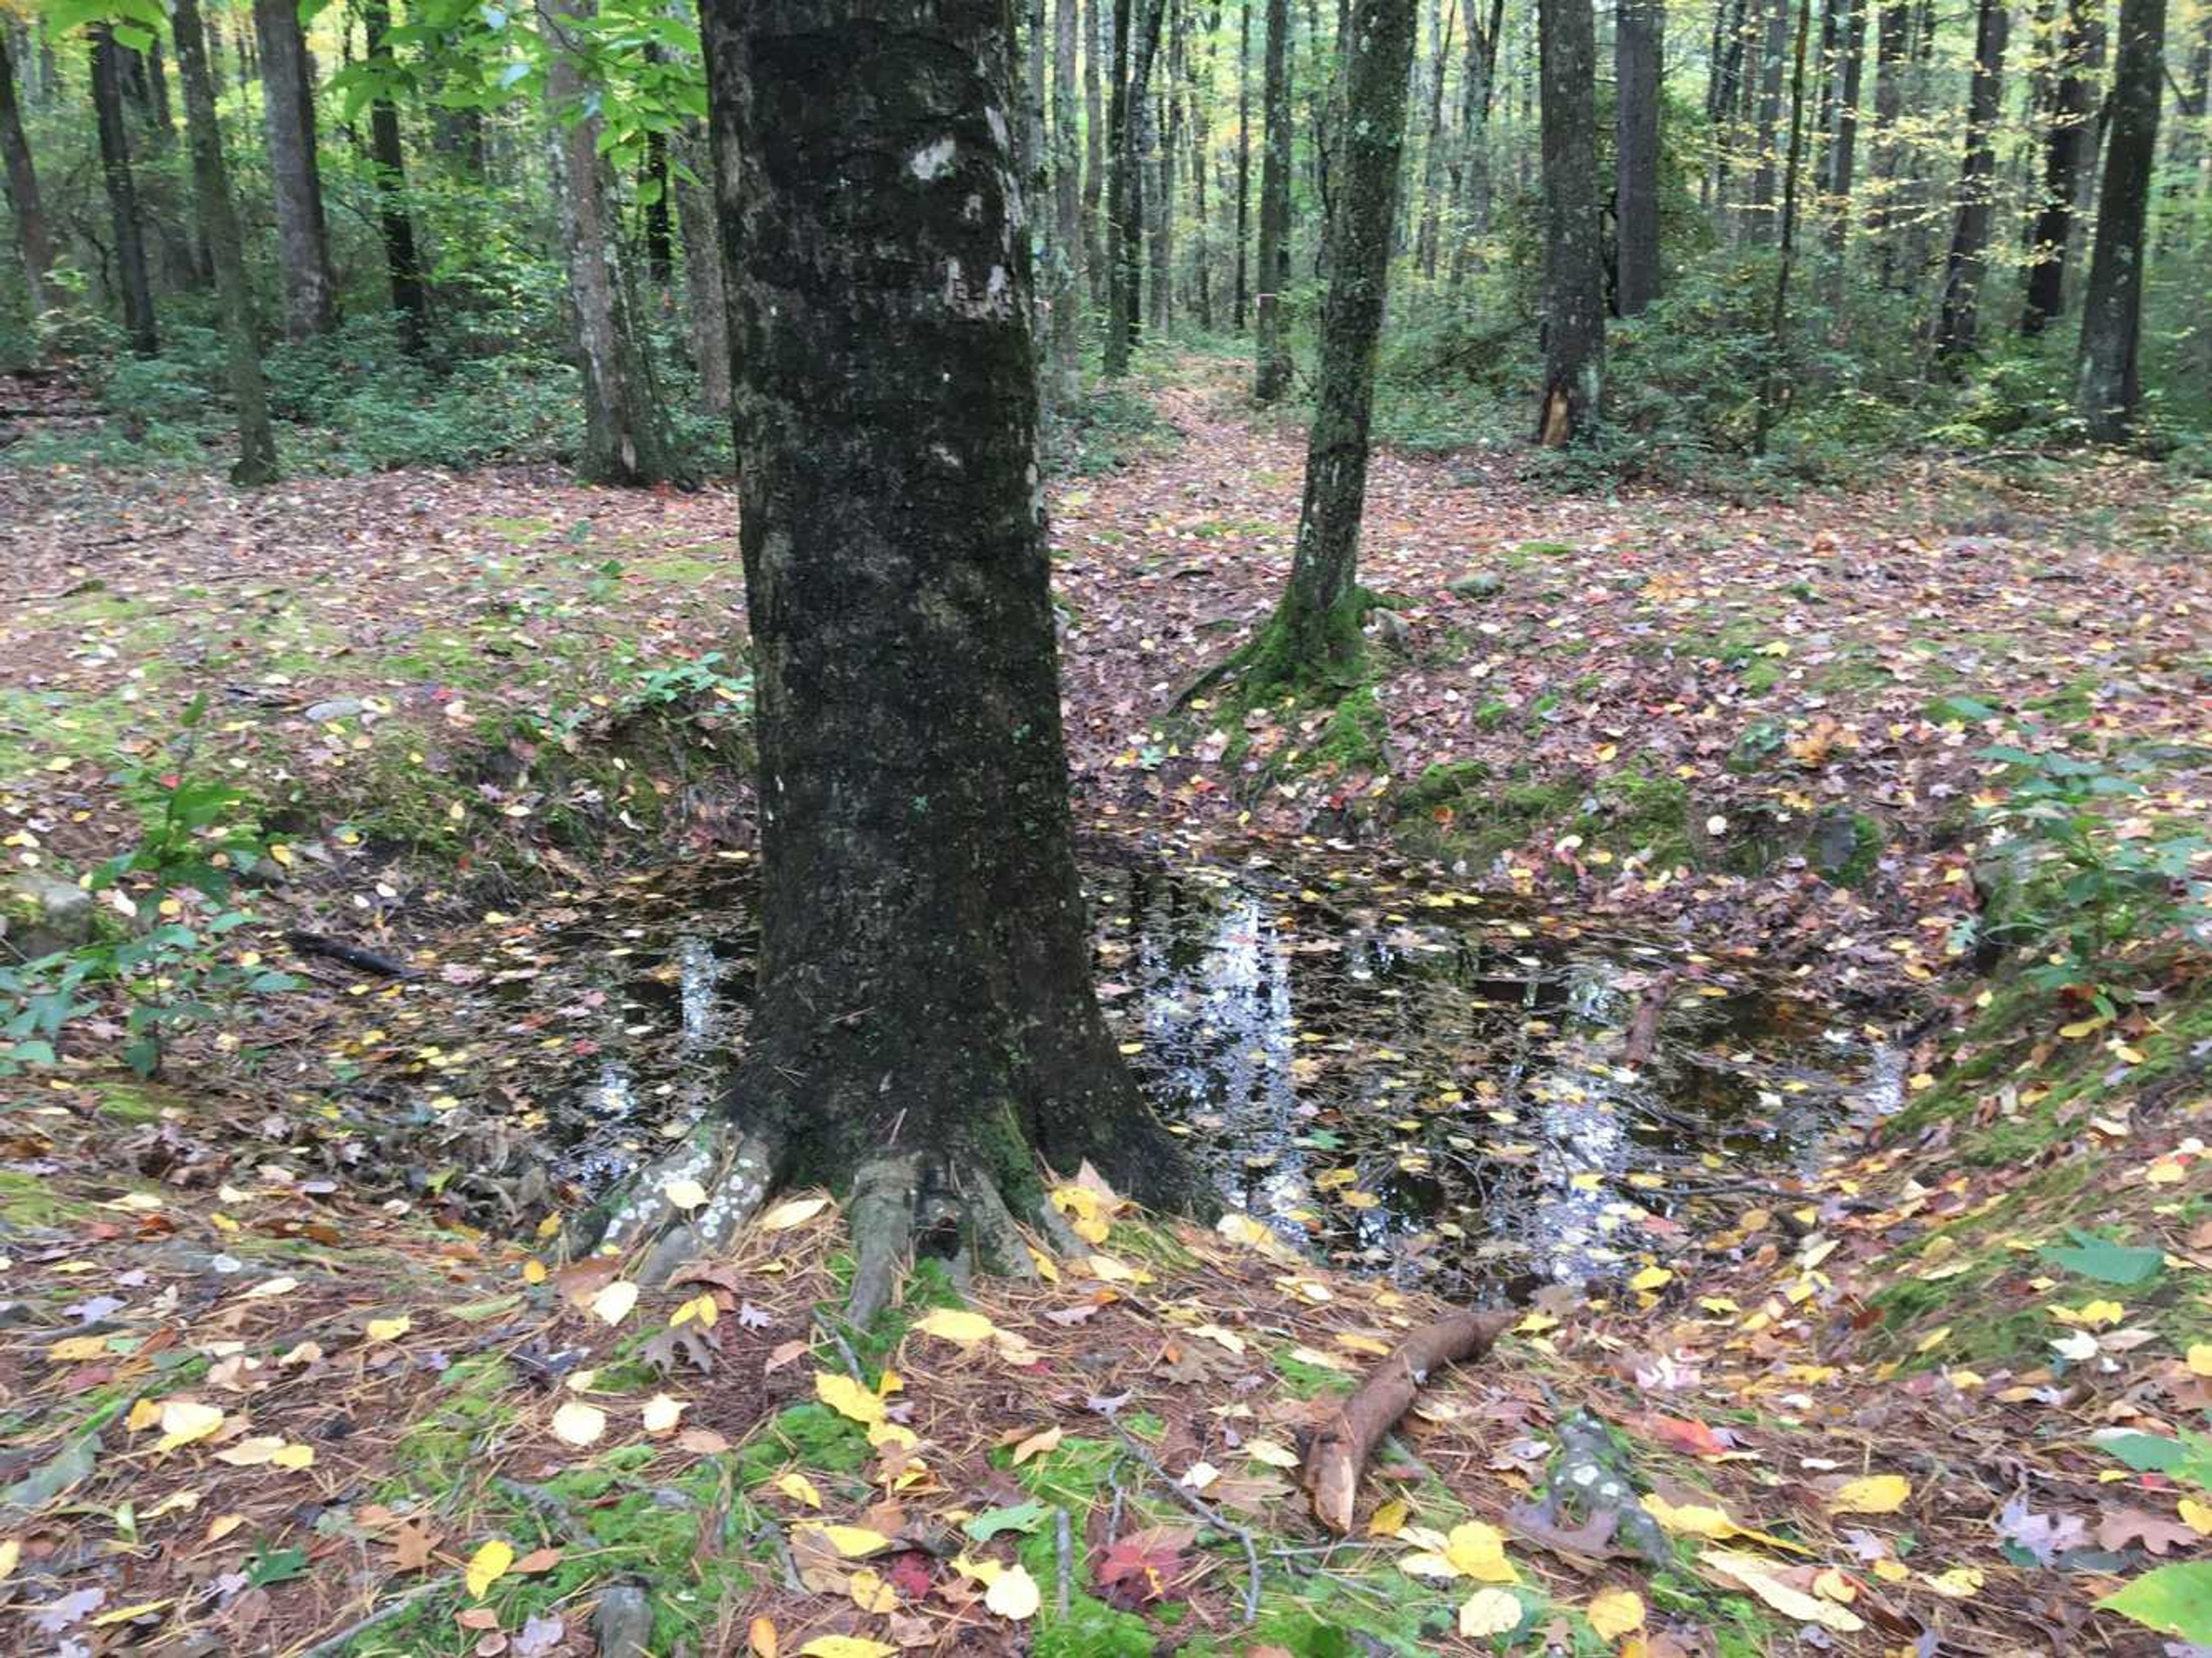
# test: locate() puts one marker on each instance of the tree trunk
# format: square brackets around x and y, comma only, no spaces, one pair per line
[1243,160]
[1160,147]
[1200,92]
[130,276]
[288,117]
[152,80]
[1136,41]
[705,292]
[1723,91]
[1842,157]
[1769,396]
[924,1024]
[2108,385]
[659,231]
[1096,261]
[1067,202]
[257,444]
[1970,238]
[1774,51]
[1637,46]
[1315,633]
[1574,276]
[1477,94]
[33,237]
[1272,373]
[719,45]
[1428,243]
[2065,158]
[623,442]
[388,160]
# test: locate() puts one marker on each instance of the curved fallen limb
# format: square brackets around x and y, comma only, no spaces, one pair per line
[1338,1456]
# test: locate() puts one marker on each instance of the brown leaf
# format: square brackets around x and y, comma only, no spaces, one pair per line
[537,1560]
[411,1545]
[2157,1534]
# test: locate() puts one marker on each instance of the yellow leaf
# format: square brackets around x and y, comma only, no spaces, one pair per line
[662,1413]
[1013,1593]
[853,1542]
[1389,1519]
[612,1304]
[1111,1271]
[845,1646]
[125,1614]
[389,1329]
[759,1636]
[1756,1575]
[848,1397]
[11,1551]
[578,1423]
[1615,1613]
[797,1212]
[1476,1549]
[294,1456]
[533,1271]
[870,1593]
[1877,1493]
[1489,1611]
[251,1452]
[1959,1583]
[144,1413]
[76,1350]
[701,1308]
[275,1286]
[222,1524]
[183,1420]
[2200,1359]
[1085,1211]
[488,1566]
[1651,1278]
[957,1325]
[1037,1444]
[684,1194]
[799,1489]
[2197,1516]
[1274,1455]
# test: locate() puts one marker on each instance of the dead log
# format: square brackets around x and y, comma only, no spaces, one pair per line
[1337,1455]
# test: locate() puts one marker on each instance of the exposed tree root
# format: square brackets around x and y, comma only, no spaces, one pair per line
[1338,1456]
[737,1171]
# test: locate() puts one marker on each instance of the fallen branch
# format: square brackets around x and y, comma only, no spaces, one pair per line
[353,955]
[1339,1453]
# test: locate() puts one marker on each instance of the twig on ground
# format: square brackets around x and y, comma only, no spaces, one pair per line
[383,1614]
[1208,1513]
[1064,1547]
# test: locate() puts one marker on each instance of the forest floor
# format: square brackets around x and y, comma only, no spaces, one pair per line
[276,1356]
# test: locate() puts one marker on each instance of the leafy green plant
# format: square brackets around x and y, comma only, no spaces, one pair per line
[199,834]
[2174,1600]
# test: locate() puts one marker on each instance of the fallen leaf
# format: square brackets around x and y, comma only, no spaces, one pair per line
[661,1413]
[956,1325]
[848,1397]
[487,1566]
[1615,1613]
[1876,1493]
[796,1212]
[612,1304]
[578,1423]
[1013,1593]
[1490,1612]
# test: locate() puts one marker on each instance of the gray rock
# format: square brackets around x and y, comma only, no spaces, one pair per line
[1480,585]
[624,1623]
[40,915]
[338,708]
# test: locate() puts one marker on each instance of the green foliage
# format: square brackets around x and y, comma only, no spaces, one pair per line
[199,834]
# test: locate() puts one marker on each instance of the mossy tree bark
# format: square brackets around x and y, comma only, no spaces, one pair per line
[1136,43]
[1068,212]
[135,287]
[1271,376]
[1574,276]
[2108,384]
[257,444]
[925,1026]
[1314,636]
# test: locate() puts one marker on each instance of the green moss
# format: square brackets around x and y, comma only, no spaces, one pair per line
[1645,812]
[135,1102]
[29,1200]
[1307,1379]
[810,1435]
[438,1448]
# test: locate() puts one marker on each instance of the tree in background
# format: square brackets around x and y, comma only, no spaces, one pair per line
[257,444]
[919,878]
[131,278]
[1066,291]
[2068,151]
[1574,281]
[2108,385]
[410,297]
[1271,370]
[288,115]
[33,238]
[1638,46]
[1970,239]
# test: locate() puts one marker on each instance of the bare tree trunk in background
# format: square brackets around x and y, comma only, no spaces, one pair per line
[288,118]
[1096,259]
[1202,91]
[623,440]
[1770,394]
[1638,47]
[1315,632]
[257,443]
[1243,159]
[1574,264]
[1758,223]
[1136,42]
[388,156]
[1893,37]
[1426,244]
[131,275]
[33,238]
[1970,239]
[1272,368]
[2066,156]
[1068,250]
[706,296]
[719,46]
[660,228]
[1723,92]
[1477,94]
[1843,155]
[153,80]
[2108,385]
[1160,138]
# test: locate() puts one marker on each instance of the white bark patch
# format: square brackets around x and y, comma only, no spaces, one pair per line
[998,126]
[932,161]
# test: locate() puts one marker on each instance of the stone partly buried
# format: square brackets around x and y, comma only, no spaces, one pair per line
[42,915]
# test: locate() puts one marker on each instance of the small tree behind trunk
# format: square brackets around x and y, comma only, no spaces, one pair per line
[33,238]
[1970,238]
[2066,157]
[388,156]
[1638,43]
[257,444]
[1068,249]
[1272,370]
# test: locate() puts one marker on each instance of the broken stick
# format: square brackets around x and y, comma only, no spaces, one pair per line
[1339,1453]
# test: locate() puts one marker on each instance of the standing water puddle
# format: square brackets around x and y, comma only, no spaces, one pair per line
[1404,1079]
